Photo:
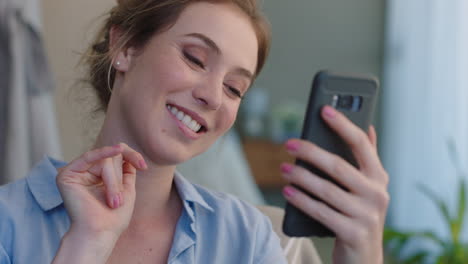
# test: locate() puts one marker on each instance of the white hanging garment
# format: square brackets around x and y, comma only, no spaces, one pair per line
[29,129]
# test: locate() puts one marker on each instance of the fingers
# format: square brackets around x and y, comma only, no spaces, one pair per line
[116,166]
[357,214]
[359,142]
[331,164]
[88,159]
[372,136]
[343,201]
[117,163]
[113,172]
[113,190]
[129,176]
[133,157]
[318,210]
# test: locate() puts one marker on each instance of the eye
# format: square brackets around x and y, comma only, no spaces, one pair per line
[194,60]
[234,91]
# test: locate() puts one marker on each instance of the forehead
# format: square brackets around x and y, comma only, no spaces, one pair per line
[226,25]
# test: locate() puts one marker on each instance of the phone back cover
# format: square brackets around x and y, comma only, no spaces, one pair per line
[325,86]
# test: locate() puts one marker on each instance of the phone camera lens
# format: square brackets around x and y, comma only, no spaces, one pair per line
[349,103]
[345,102]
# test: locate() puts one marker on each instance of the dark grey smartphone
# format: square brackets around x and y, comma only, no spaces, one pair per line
[353,95]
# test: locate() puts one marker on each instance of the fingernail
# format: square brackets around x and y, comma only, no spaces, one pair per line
[292,145]
[329,112]
[116,201]
[286,167]
[142,164]
[118,147]
[288,191]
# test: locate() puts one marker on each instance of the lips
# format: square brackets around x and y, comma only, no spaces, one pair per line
[190,119]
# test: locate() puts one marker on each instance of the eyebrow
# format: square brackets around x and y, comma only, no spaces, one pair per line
[210,43]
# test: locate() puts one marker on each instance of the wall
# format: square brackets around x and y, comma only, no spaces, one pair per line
[309,35]
[67,30]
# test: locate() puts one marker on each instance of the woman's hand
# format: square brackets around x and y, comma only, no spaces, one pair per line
[359,219]
[98,190]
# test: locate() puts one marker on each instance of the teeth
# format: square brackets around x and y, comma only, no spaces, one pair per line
[193,124]
[184,118]
[180,115]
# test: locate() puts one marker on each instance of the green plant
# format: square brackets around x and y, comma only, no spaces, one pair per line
[452,250]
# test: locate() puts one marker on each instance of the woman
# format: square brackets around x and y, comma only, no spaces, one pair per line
[170,76]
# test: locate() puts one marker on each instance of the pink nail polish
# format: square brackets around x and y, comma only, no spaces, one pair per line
[329,111]
[292,145]
[288,191]
[142,164]
[286,167]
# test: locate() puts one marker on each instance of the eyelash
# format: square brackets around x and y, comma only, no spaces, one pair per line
[194,60]
[200,64]
[234,91]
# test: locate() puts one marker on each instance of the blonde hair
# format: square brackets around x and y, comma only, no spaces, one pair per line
[139,20]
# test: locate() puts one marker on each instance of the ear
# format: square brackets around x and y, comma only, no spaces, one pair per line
[122,56]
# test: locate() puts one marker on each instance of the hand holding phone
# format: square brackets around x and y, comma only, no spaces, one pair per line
[354,96]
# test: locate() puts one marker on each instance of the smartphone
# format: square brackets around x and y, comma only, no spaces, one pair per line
[353,95]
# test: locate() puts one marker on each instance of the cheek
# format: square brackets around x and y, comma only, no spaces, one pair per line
[228,117]
[161,72]
[171,73]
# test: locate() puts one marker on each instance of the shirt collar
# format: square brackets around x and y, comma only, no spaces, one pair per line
[41,182]
[188,192]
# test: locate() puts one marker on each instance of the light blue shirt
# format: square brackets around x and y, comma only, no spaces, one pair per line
[213,227]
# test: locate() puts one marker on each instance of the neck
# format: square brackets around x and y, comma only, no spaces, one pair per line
[156,195]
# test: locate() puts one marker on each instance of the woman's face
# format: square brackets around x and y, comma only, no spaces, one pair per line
[181,92]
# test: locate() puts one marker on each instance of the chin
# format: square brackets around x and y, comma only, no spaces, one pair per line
[173,154]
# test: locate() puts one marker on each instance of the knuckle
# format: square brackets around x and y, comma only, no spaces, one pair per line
[139,156]
[372,220]
[386,177]
[381,197]
[87,156]
[384,199]
[359,140]
[327,191]
[322,212]
[360,234]
[387,198]
[108,161]
[308,151]
[311,146]
[298,175]
[348,234]
[118,157]
[338,167]
[105,148]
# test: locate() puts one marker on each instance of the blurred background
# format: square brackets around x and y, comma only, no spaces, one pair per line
[418,50]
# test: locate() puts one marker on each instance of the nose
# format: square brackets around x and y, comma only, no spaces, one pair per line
[209,93]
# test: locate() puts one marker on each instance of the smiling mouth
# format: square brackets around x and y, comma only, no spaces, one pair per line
[186,119]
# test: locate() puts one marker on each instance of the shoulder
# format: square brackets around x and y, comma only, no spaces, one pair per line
[37,191]
[13,196]
[30,210]
[15,202]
